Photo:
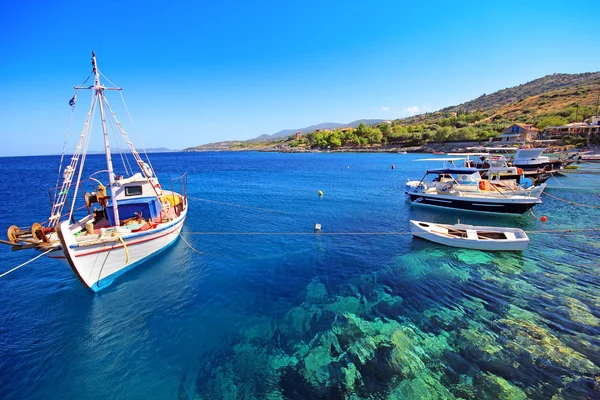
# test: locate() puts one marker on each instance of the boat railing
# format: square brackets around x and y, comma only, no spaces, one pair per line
[181,183]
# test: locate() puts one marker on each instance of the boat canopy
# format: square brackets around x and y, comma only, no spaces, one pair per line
[469,154]
[441,159]
[453,171]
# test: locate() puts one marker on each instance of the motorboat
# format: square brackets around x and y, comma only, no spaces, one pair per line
[462,188]
[489,238]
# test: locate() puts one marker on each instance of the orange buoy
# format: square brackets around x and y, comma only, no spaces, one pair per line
[543,219]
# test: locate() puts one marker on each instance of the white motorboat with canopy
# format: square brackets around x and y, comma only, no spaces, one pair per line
[128,219]
[462,188]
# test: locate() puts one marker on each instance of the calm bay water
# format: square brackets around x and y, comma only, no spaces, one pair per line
[292,314]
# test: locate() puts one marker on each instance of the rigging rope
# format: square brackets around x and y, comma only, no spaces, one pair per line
[62,156]
[118,143]
[25,263]
[137,133]
[86,142]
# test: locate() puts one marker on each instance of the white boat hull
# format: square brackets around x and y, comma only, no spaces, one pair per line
[97,266]
[438,233]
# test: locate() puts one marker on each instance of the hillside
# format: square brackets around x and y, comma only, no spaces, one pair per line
[548,83]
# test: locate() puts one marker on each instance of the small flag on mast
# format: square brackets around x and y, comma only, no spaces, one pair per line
[73,100]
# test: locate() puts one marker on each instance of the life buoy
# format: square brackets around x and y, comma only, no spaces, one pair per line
[147,170]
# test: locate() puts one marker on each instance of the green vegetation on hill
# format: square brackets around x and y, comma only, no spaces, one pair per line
[463,127]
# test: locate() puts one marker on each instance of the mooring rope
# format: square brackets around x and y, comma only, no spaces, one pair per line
[189,245]
[237,205]
[25,263]
[571,202]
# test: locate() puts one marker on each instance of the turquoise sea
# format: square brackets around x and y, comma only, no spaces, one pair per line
[265,308]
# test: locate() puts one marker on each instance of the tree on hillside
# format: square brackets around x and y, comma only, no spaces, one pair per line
[443,133]
[552,120]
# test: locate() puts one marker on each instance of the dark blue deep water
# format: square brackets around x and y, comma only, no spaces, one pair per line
[271,310]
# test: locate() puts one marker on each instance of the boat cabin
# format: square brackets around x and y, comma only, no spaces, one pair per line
[137,198]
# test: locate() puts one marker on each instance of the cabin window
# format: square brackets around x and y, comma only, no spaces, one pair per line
[133,190]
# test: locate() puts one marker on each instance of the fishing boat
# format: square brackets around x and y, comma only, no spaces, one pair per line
[126,219]
[488,238]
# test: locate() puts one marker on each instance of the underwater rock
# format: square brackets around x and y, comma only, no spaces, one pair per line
[346,305]
[472,257]
[463,274]
[316,365]
[351,376]
[298,320]
[250,360]
[418,265]
[404,358]
[464,388]
[423,387]
[383,296]
[525,337]
[481,339]
[316,293]
[446,318]
[490,386]
[224,384]
[261,332]
[580,313]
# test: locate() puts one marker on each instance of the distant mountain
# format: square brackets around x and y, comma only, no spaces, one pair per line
[548,83]
[220,146]
[150,150]
[312,128]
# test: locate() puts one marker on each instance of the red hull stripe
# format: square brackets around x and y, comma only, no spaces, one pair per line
[117,246]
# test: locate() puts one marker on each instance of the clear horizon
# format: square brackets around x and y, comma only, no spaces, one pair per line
[199,73]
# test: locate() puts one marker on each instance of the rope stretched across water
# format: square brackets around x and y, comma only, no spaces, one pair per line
[571,202]
[25,263]
[237,205]
[547,231]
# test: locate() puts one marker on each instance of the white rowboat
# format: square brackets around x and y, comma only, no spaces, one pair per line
[472,237]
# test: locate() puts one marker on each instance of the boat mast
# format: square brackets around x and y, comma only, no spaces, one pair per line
[111,176]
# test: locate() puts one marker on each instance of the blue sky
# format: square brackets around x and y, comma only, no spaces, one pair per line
[199,72]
